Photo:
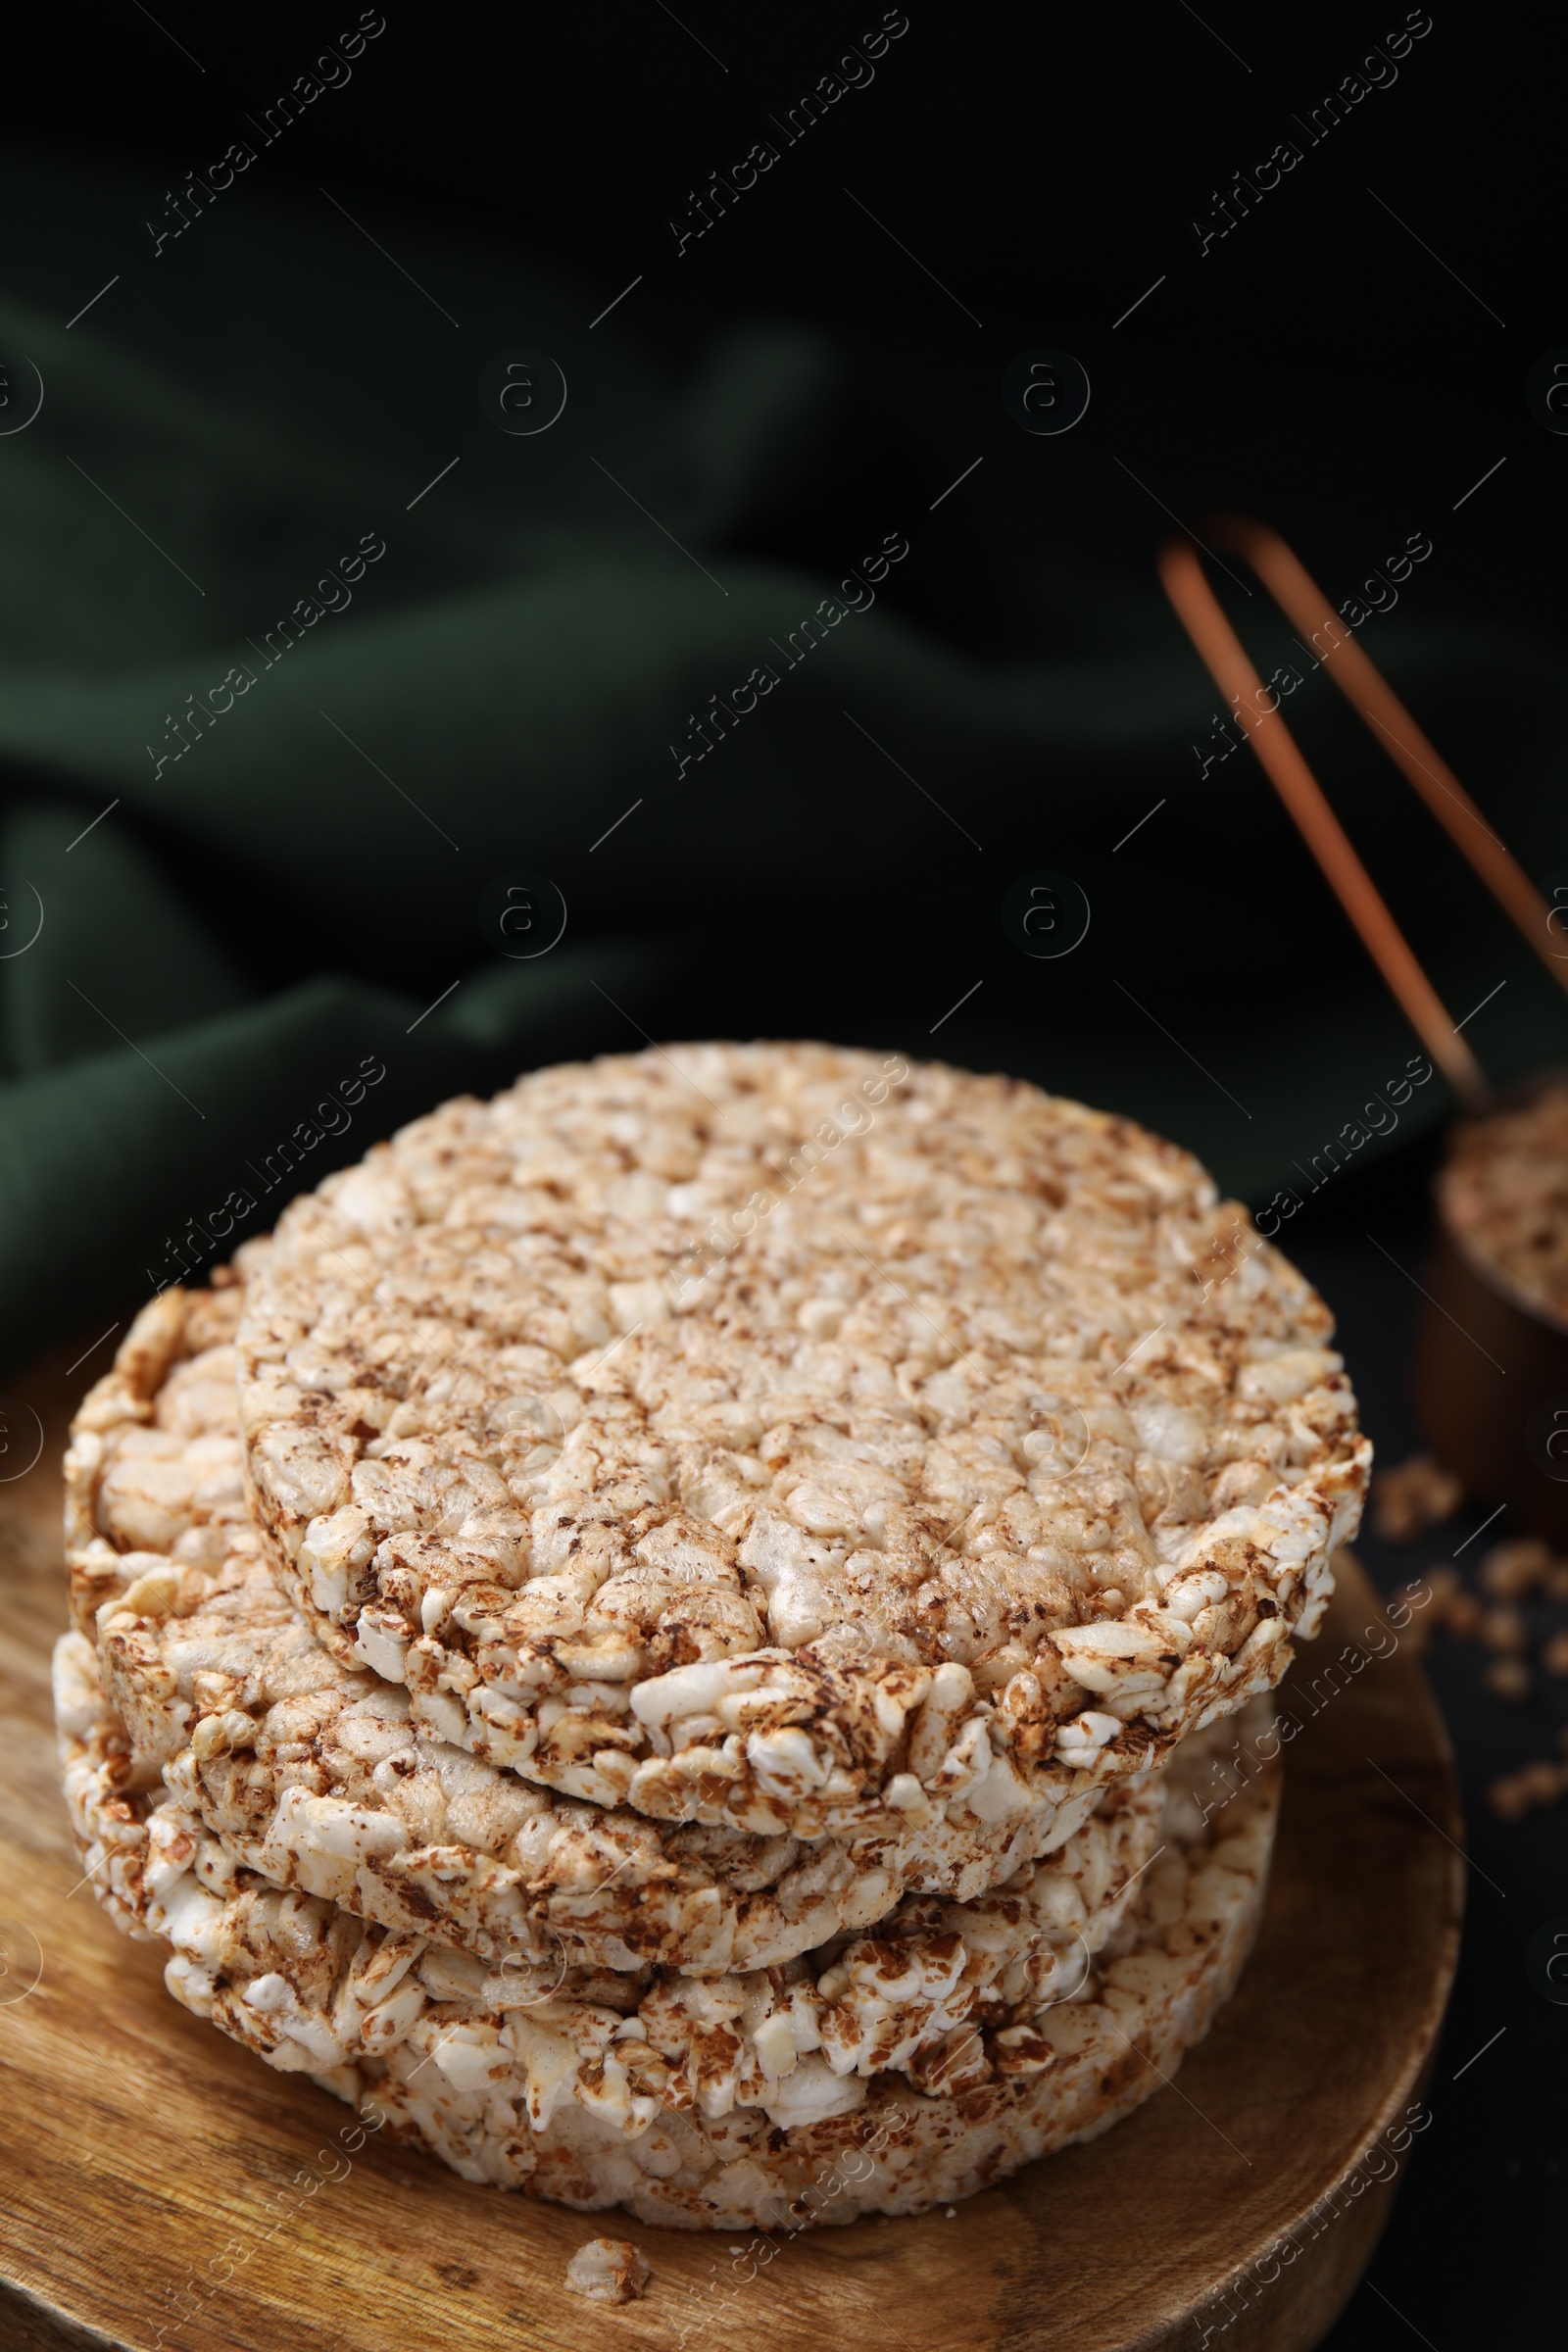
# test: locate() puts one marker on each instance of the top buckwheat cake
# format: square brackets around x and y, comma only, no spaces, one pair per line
[794,1438]
[315,1773]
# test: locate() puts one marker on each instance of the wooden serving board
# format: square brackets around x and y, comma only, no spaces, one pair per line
[157,2177]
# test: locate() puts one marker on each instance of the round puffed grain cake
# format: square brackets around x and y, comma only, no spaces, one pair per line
[783,1438]
[315,1775]
[572,2094]
[917,1998]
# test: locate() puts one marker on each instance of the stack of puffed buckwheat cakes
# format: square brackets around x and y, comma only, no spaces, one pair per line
[671,1633]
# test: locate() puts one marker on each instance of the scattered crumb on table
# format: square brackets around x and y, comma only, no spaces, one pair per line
[608,2269]
[1412,1496]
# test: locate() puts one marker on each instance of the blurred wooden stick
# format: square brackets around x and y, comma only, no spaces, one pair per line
[1228,664]
[1298,595]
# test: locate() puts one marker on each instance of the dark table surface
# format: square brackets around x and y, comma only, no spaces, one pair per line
[1473,2250]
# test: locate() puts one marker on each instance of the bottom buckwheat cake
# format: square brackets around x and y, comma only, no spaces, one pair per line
[914,1997]
[884,2074]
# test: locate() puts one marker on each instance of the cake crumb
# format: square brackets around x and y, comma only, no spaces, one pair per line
[1412,1496]
[1513,1570]
[1504,1630]
[1463,1616]
[1515,1793]
[609,2269]
[1509,1678]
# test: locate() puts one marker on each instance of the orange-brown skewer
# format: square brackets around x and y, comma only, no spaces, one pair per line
[1228,664]
[1298,595]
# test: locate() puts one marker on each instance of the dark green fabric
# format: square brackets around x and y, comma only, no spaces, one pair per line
[278,905]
